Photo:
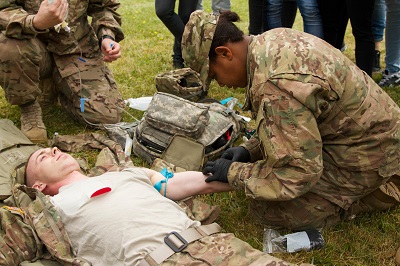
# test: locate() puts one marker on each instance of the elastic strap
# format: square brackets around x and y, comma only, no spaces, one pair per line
[167,175]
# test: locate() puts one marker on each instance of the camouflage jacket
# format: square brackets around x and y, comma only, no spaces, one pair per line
[16,22]
[314,108]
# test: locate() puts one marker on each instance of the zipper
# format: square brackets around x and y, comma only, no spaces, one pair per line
[151,145]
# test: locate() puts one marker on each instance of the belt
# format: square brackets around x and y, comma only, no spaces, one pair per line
[176,242]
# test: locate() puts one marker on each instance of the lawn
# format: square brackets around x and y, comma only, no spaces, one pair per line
[147,48]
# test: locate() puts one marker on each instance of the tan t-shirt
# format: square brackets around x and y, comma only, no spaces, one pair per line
[121,226]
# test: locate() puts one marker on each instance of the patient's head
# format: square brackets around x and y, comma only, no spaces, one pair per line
[47,168]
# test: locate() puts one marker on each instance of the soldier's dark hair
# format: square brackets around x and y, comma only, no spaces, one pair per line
[226,31]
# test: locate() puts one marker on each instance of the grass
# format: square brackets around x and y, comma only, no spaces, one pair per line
[370,239]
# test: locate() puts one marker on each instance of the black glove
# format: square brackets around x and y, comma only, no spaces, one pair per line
[218,169]
[237,154]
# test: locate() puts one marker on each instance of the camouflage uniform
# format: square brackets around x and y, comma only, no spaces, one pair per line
[73,60]
[223,249]
[327,134]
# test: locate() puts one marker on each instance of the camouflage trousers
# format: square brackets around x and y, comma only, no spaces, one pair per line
[222,249]
[313,211]
[15,233]
[26,67]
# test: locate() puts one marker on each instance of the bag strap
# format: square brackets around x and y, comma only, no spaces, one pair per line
[176,242]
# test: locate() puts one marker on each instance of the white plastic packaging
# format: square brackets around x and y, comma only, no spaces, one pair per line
[140,103]
[231,103]
[128,146]
[294,242]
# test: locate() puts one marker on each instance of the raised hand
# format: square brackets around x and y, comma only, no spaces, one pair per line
[50,14]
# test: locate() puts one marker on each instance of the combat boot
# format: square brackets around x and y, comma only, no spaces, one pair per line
[31,122]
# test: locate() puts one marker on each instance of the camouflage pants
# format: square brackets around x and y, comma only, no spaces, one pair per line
[25,63]
[313,211]
[222,249]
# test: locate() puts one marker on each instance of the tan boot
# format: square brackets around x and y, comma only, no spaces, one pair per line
[397,257]
[32,124]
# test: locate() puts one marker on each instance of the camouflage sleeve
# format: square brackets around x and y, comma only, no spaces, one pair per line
[253,146]
[15,22]
[105,19]
[292,146]
[18,241]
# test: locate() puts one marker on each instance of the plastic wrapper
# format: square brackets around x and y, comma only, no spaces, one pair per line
[139,103]
[274,242]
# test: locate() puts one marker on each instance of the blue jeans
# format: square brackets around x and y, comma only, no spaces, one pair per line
[220,5]
[309,11]
[257,12]
[392,39]
[379,20]
[217,6]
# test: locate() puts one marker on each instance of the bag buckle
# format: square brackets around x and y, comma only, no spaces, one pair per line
[170,243]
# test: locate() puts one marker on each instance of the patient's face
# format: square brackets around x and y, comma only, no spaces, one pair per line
[49,165]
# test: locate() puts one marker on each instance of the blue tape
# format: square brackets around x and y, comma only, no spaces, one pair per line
[82,104]
[167,175]
[225,101]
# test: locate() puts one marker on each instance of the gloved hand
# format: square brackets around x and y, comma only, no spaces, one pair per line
[237,154]
[218,169]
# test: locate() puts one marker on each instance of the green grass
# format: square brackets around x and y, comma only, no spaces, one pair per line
[147,48]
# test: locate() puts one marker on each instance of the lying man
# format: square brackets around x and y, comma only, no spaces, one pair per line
[119,218]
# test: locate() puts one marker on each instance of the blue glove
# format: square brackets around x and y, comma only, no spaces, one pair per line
[237,154]
[218,169]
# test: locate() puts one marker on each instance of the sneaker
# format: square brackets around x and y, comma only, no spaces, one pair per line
[390,80]
[377,62]
[31,122]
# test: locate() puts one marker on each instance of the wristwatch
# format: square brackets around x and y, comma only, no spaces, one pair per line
[105,37]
